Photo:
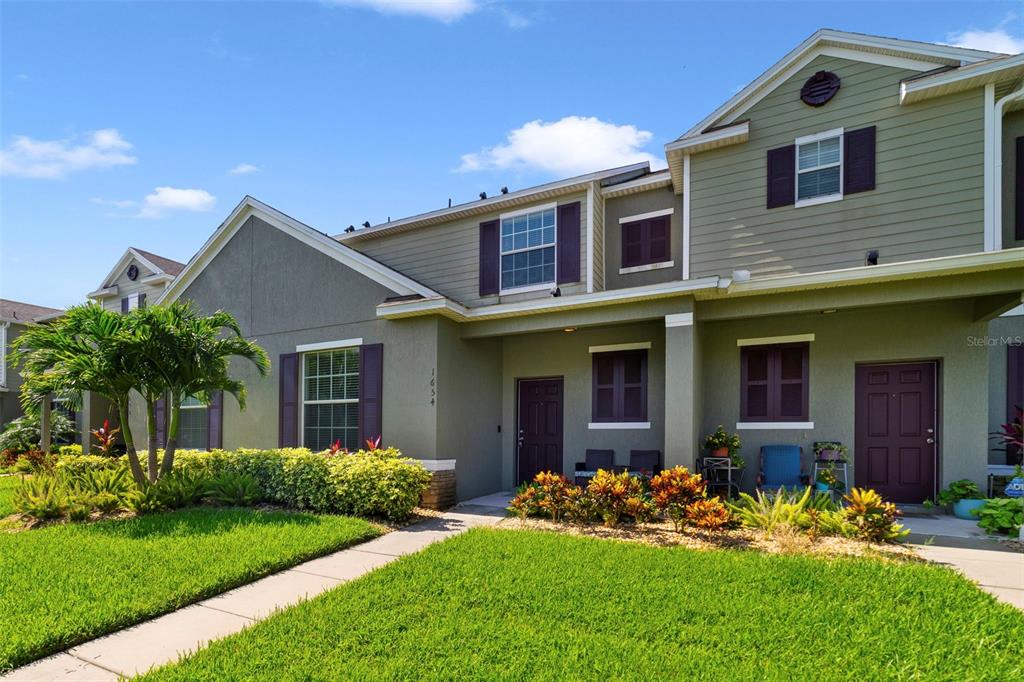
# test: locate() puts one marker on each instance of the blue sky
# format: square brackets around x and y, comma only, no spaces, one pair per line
[143,124]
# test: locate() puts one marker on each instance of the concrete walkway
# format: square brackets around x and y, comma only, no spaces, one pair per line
[963,546]
[164,639]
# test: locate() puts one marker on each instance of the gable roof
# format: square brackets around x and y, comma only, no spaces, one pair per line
[16,311]
[910,54]
[158,264]
[171,267]
[502,201]
[401,284]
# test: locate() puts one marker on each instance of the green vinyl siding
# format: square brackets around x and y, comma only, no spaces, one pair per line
[927,200]
[446,257]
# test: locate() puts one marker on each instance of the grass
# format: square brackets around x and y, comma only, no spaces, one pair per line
[512,605]
[7,486]
[65,584]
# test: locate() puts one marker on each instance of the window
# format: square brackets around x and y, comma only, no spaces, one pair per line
[646,241]
[194,425]
[773,383]
[528,249]
[819,161]
[62,405]
[620,387]
[330,398]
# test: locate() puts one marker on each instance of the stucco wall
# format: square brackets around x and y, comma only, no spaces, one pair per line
[636,204]
[10,408]
[885,334]
[556,354]
[927,200]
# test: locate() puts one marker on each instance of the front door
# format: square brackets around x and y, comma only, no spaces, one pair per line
[540,428]
[895,430]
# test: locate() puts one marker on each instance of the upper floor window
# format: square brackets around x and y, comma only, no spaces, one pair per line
[194,425]
[528,249]
[646,239]
[819,160]
[330,398]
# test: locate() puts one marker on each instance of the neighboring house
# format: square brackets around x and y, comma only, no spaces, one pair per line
[825,258]
[138,277]
[14,318]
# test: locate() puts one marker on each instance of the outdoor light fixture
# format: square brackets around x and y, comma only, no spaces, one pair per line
[569,330]
[828,311]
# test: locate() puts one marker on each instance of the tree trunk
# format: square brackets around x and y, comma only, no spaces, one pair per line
[44,424]
[172,436]
[129,442]
[151,428]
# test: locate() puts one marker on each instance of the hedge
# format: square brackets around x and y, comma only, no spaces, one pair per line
[379,483]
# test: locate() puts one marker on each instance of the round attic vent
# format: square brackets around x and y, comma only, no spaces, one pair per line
[819,88]
[133,272]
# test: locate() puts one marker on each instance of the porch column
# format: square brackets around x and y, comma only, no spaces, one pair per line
[682,418]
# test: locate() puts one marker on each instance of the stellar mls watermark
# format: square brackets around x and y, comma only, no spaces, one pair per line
[993,341]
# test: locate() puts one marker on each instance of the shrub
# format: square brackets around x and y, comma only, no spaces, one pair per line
[34,461]
[964,489]
[181,488]
[144,500]
[76,465]
[554,490]
[1001,515]
[41,497]
[708,514]
[579,506]
[526,501]
[239,490]
[674,490]
[73,450]
[369,483]
[611,492]
[641,509]
[873,519]
[771,512]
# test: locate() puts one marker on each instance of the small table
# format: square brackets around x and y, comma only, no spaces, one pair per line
[838,466]
[718,472]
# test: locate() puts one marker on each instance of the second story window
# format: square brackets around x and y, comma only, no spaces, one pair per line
[528,249]
[819,160]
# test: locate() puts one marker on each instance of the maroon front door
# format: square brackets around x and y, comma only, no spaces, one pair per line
[895,430]
[540,428]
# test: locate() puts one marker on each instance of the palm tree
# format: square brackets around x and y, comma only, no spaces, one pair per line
[86,349]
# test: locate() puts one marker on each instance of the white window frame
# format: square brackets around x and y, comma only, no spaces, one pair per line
[312,349]
[200,406]
[502,290]
[807,139]
[3,354]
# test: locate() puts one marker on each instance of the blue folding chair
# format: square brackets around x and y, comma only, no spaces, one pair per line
[780,468]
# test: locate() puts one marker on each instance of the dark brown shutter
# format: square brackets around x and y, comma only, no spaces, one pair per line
[1018,192]
[658,242]
[774,383]
[124,304]
[1014,390]
[371,389]
[142,300]
[619,387]
[632,244]
[288,401]
[161,423]
[215,421]
[859,160]
[490,258]
[755,379]
[781,176]
[568,243]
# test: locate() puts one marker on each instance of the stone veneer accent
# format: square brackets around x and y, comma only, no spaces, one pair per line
[440,494]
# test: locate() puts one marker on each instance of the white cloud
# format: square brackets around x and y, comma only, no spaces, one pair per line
[244,169]
[570,146]
[22,76]
[29,158]
[165,199]
[113,203]
[441,10]
[997,39]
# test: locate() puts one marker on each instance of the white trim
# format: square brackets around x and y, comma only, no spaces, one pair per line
[302,402]
[364,265]
[686,217]
[746,426]
[956,80]
[926,56]
[157,278]
[527,211]
[3,353]
[610,348]
[488,205]
[603,426]
[989,153]
[647,268]
[103,293]
[1013,312]
[721,137]
[590,239]
[808,139]
[328,345]
[771,340]
[643,216]
[679,320]
[656,180]
[448,308]
[433,465]
[527,288]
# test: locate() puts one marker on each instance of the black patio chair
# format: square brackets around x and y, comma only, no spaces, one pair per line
[594,460]
[645,461]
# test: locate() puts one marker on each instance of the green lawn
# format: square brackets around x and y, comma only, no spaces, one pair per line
[514,605]
[7,486]
[65,584]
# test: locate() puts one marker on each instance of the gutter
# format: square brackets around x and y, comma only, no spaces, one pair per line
[994,198]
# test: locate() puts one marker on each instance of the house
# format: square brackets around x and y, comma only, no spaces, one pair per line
[830,255]
[137,277]
[15,316]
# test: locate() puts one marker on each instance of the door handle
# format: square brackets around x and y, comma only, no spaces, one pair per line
[929,440]
[519,439]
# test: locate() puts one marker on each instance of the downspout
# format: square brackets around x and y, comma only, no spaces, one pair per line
[994,226]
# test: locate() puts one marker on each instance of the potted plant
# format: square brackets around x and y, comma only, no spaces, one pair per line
[965,496]
[826,480]
[721,444]
[830,451]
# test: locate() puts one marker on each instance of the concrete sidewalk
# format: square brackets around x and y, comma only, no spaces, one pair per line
[164,639]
